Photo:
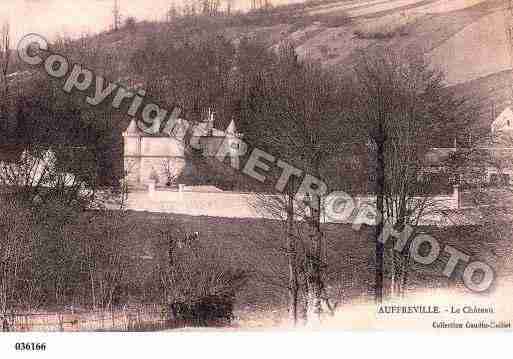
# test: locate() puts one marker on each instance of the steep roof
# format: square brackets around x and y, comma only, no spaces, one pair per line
[231,129]
[179,130]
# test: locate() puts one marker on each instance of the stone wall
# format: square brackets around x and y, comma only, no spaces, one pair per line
[242,205]
[215,204]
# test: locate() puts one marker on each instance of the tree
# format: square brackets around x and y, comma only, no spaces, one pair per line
[172,13]
[483,169]
[5,56]
[194,74]
[169,171]
[298,111]
[131,24]
[291,213]
[260,5]
[116,16]
[17,237]
[405,111]
[43,111]
[210,7]
[229,6]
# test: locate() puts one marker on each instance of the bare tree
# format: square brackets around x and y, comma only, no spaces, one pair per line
[131,24]
[5,56]
[229,6]
[404,110]
[210,7]
[291,213]
[116,13]
[300,115]
[509,34]
[172,12]
[16,241]
[170,172]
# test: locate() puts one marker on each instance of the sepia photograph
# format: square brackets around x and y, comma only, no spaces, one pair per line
[232,172]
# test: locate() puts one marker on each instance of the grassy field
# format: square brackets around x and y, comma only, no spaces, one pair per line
[136,245]
[255,246]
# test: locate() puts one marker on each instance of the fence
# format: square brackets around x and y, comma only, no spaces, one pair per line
[149,318]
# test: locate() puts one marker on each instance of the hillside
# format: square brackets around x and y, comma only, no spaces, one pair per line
[466,39]
[489,94]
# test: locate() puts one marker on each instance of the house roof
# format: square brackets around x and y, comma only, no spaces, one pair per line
[231,129]
[201,129]
[134,130]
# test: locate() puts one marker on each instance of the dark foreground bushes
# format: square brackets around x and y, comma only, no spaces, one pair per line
[54,258]
[212,310]
[200,285]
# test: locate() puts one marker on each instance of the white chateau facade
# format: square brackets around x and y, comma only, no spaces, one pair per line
[162,158]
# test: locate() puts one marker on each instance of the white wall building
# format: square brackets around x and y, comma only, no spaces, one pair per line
[162,158]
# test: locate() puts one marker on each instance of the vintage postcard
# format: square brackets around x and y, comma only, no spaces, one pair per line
[255,165]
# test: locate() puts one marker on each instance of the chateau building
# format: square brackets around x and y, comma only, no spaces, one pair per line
[162,158]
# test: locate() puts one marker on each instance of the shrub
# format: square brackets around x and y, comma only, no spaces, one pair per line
[212,310]
[202,286]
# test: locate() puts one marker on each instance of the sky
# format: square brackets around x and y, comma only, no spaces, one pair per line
[51,18]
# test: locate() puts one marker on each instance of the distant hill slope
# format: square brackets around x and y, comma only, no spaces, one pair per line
[490,95]
[466,43]
[465,38]
[479,49]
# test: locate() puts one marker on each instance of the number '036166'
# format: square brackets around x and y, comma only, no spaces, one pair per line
[30,346]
